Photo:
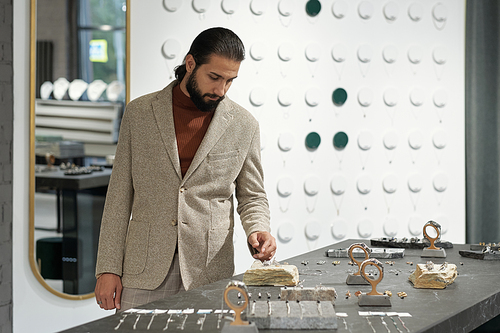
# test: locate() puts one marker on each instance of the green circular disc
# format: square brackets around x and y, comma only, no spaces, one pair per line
[313,140]
[340,140]
[313,7]
[339,96]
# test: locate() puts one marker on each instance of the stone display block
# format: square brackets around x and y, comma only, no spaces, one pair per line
[432,276]
[271,275]
[304,315]
[309,294]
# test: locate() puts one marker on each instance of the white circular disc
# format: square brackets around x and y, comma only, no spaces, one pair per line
[201,6]
[286,7]
[416,11]
[338,184]
[313,96]
[440,55]
[76,89]
[440,182]
[390,183]
[46,89]
[286,96]
[365,140]
[257,96]
[339,9]
[416,224]
[365,228]
[313,230]
[415,139]
[312,185]
[391,97]
[439,139]
[285,141]
[339,228]
[95,90]
[365,53]
[339,53]
[440,12]
[417,97]
[390,54]
[114,90]
[391,226]
[391,140]
[415,54]
[313,52]
[258,51]
[286,51]
[443,222]
[440,98]
[61,85]
[365,10]
[258,7]
[286,232]
[365,97]
[230,6]
[364,184]
[391,11]
[263,140]
[171,49]
[172,5]
[285,186]
[415,182]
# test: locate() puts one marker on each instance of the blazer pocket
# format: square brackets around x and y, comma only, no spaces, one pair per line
[223,166]
[136,247]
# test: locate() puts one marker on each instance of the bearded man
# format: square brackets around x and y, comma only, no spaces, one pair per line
[182,154]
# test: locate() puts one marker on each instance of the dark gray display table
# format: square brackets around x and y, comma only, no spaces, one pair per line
[80,203]
[473,299]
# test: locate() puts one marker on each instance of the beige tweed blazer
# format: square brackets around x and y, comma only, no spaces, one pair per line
[150,207]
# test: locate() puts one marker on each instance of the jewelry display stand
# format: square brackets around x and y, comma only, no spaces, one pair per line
[432,251]
[238,325]
[373,298]
[356,278]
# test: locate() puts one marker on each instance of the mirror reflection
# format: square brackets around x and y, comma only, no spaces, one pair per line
[80,95]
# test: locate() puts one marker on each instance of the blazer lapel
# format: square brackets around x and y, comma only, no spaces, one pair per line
[221,120]
[162,110]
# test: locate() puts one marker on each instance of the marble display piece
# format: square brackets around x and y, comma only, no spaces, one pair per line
[271,275]
[432,276]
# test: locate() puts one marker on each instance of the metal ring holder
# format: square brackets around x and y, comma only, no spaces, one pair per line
[436,227]
[363,247]
[372,282]
[241,288]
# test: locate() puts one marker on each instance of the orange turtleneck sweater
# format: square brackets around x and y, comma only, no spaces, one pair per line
[190,124]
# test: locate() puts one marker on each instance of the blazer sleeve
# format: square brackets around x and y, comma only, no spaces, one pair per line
[253,206]
[118,205]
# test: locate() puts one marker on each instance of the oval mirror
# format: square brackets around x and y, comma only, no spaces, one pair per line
[73,134]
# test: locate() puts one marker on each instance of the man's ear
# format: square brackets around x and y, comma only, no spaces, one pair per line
[190,63]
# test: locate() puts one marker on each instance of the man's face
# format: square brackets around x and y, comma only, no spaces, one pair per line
[208,84]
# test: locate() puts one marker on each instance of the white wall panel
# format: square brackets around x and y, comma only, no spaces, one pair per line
[401,64]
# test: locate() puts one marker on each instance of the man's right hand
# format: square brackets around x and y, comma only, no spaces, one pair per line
[108,291]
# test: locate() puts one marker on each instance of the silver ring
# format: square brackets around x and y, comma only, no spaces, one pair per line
[100,302]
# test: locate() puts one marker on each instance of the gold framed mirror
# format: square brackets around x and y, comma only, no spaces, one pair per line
[72,275]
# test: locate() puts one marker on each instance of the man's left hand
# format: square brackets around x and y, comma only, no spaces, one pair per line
[263,242]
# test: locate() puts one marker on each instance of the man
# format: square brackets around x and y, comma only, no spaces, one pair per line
[168,220]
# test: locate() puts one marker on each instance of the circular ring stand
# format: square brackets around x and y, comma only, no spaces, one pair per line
[365,249]
[436,227]
[372,282]
[242,289]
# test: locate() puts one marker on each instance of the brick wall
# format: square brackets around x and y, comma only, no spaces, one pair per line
[6,137]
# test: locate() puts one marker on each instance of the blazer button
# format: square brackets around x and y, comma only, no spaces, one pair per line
[174,222]
[182,189]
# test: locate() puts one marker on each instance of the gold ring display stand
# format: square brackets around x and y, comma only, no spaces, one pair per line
[356,278]
[373,298]
[432,251]
[238,325]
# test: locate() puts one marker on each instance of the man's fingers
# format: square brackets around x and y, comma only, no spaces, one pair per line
[118,297]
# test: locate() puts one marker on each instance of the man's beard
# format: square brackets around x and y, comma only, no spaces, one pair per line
[198,98]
